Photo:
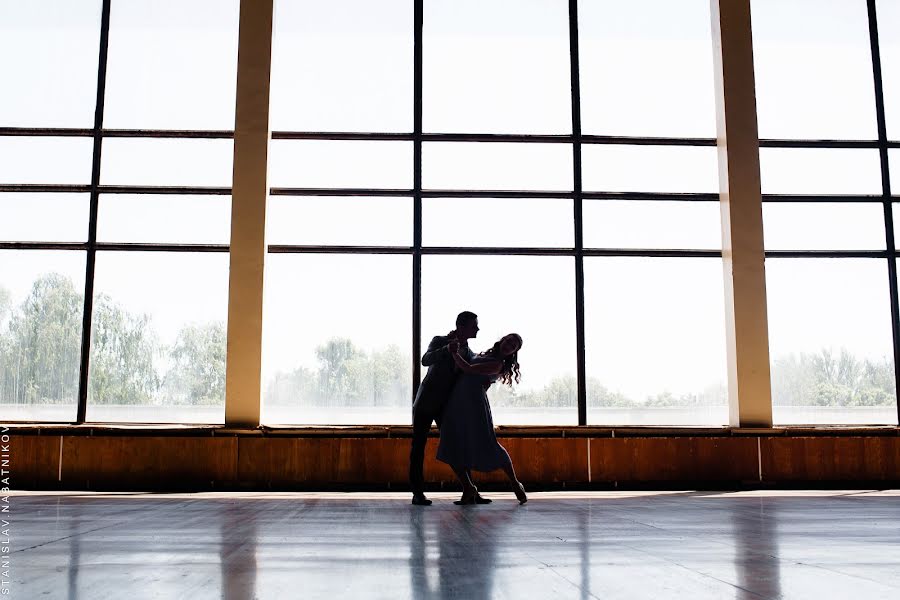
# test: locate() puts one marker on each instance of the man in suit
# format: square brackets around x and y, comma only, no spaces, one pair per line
[434,391]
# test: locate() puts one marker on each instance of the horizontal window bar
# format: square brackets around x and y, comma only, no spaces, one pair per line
[115,189]
[139,247]
[178,190]
[653,253]
[116,133]
[282,191]
[293,249]
[820,198]
[44,187]
[818,143]
[431,137]
[211,134]
[646,141]
[830,254]
[43,246]
[342,135]
[45,132]
[661,196]
[497,251]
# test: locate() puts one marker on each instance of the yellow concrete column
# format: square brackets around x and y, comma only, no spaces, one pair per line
[749,384]
[250,190]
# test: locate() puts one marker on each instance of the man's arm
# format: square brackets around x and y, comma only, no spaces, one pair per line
[437,345]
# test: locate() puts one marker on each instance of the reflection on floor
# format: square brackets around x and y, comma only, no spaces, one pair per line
[611,545]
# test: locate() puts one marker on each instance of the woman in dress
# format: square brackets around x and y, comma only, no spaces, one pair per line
[468,440]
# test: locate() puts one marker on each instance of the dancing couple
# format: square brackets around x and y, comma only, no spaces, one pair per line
[454,395]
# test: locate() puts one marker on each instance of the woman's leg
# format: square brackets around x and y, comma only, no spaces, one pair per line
[517,486]
[470,492]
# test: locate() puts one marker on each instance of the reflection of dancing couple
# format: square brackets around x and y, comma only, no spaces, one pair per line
[454,395]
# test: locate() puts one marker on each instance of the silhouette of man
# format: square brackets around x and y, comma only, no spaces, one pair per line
[434,391]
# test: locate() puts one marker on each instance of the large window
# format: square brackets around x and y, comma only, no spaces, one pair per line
[115,204]
[827,209]
[551,166]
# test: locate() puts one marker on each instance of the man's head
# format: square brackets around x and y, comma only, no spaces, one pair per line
[466,325]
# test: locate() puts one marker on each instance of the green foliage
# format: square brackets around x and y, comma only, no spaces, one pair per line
[347,376]
[823,379]
[40,349]
[40,346]
[197,371]
[40,353]
[123,351]
[5,304]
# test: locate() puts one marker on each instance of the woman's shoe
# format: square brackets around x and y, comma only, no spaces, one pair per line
[519,490]
[479,499]
[468,497]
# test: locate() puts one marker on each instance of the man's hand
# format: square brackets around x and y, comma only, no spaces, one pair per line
[453,347]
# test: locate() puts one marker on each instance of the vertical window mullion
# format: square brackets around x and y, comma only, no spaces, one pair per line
[885,188]
[577,206]
[417,196]
[92,223]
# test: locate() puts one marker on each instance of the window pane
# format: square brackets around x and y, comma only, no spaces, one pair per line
[655,341]
[496,66]
[837,226]
[503,222]
[336,340]
[630,52]
[340,164]
[889,44]
[36,217]
[496,166]
[819,171]
[344,65]
[894,167]
[813,68]
[46,160]
[896,210]
[651,224]
[649,169]
[532,296]
[172,64]
[305,220]
[158,338]
[51,79]
[830,341]
[175,162]
[164,219]
[41,304]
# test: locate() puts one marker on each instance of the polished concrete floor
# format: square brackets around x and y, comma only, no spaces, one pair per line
[559,545]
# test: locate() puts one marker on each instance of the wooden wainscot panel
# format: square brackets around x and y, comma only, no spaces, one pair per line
[548,460]
[698,459]
[148,462]
[300,462]
[282,461]
[34,460]
[797,459]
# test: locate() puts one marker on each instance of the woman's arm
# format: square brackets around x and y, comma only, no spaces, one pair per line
[492,367]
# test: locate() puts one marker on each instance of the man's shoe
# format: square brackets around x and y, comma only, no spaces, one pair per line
[421,500]
[479,499]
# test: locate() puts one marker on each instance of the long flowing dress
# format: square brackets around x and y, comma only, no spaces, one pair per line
[468,440]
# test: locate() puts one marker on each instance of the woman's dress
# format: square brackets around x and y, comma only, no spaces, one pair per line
[468,440]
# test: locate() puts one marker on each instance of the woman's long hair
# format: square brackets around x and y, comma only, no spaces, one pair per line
[510,371]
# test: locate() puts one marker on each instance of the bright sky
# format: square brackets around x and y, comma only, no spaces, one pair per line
[494,67]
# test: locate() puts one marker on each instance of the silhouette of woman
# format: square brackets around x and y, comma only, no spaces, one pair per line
[467,439]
